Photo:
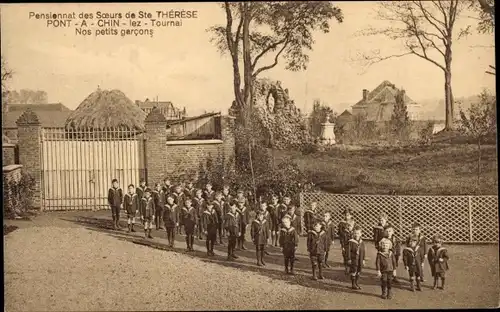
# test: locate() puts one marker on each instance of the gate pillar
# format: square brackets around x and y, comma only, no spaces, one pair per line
[156,146]
[29,131]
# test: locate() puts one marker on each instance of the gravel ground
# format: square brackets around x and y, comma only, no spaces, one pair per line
[54,264]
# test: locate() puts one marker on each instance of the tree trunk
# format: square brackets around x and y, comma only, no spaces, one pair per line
[448,94]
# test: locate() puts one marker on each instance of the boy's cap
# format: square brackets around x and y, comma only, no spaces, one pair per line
[114,180]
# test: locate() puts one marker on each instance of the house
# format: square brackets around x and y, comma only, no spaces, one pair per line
[51,115]
[166,107]
[344,118]
[377,105]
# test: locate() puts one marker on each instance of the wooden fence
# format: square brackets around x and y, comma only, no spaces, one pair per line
[460,219]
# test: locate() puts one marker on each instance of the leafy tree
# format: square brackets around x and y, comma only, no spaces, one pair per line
[318,116]
[400,122]
[425,28]
[268,30]
[480,124]
[485,10]
[27,96]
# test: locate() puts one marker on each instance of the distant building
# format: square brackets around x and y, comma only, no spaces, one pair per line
[167,108]
[378,104]
[52,115]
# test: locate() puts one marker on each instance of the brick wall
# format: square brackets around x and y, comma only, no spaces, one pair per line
[9,154]
[187,157]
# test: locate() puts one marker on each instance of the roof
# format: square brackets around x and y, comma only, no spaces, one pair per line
[384,93]
[346,113]
[104,109]
[48,119]
[159,104]
[174,122]
[37,107]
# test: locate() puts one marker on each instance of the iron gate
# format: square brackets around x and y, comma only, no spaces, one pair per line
[78,166]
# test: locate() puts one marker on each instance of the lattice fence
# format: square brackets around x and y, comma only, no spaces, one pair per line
[460,219]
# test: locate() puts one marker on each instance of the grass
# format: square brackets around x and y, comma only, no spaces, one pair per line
[102,269]
[437,169]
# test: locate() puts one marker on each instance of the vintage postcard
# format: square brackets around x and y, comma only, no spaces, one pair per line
[265,155]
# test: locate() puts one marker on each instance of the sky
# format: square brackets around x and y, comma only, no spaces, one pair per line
[181,65]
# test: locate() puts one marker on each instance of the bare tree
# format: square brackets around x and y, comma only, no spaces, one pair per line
[425,29]
[6,75]
[268,30]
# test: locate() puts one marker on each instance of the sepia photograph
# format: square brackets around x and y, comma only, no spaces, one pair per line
[260,155]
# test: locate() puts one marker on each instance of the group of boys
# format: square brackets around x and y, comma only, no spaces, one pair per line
[388,246]
[216,215]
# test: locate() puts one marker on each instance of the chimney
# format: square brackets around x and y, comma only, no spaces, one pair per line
[365,94]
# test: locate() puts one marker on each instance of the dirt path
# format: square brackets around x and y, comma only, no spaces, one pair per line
[60,265]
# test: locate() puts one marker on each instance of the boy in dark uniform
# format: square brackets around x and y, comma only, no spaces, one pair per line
[422,242]
[386,267]
[171,219]
[159,200]
[209,194]
[294,219]
[188,214]
[226,200]
[412,260]
[310,217]
[288,240]
[345,230]
[379,230]
[317,244]
[438,261]
[210,227]
[232,225]
[329,229]
[395,246]
[115,200]
[274,220]
[199,205]
[132,204]
[179,201]
[267,217]
[244,219]
[167,187]
[260,235]
[283,207]
[240,196]
[356,256]
[140,193]
[219,210]
[147,212]
[142,187]
[189,191]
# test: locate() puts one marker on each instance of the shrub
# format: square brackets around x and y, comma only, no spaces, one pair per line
[309,148]
[425,134]
[18,195]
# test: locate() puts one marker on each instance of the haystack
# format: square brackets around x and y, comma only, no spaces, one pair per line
[105,109]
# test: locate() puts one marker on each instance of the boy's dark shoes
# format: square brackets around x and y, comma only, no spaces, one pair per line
[395,280]
[230,258]
[326,265]
[266,253]
[234,256]
[243,247]
[389,294]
